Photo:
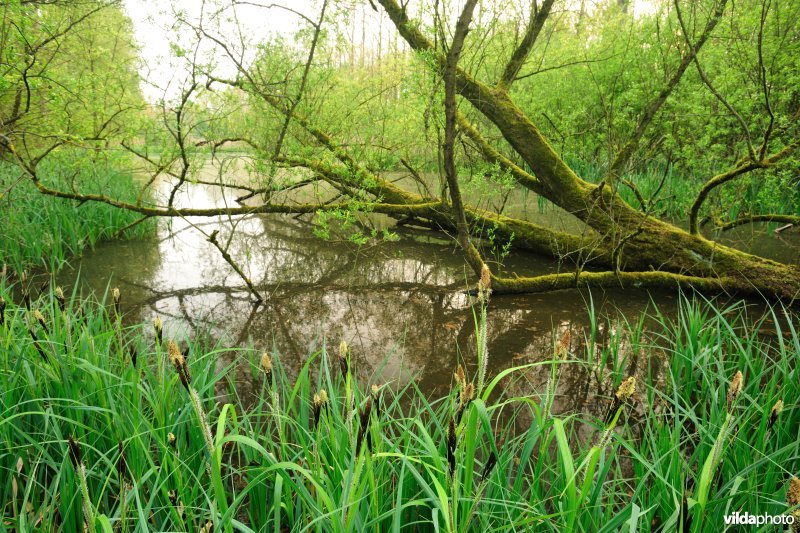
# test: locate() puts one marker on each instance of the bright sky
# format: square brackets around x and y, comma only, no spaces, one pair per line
[155,29]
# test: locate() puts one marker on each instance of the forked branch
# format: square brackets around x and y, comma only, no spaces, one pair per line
[522,51]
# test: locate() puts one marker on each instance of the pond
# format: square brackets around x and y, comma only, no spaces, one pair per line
[399,304]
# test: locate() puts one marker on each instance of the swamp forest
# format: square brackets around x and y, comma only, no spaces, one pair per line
[399,265]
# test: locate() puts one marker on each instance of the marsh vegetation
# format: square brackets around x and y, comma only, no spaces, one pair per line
[345,265]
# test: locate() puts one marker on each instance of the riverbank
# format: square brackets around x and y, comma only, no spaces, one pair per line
[165,439]
[43,233]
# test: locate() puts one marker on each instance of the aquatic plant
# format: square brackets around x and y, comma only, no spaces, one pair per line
[677,443]
[45,233]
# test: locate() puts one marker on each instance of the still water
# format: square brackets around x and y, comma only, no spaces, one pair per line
[399,304]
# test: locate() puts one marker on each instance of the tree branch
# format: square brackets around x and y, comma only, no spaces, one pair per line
[787,219]
[494,156]
[750,148]
[652,108]
[639,280]
[742,168]
[448,147]
[228,259]
[303,81]
[526,45]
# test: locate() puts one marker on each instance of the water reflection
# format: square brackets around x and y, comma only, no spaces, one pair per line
[399,304]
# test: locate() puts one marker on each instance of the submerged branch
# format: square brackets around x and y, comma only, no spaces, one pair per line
[639,280]
[787,219]
[228,259]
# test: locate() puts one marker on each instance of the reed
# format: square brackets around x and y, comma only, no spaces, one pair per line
[709,417]
[43,232]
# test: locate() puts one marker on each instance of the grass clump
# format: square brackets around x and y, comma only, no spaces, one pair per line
[45,232]
[119,428]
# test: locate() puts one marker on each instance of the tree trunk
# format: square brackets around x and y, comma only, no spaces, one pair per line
[634,241]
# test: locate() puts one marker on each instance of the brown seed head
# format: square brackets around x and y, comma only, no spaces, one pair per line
[363,426]
[175,355]
[734,389]
[171,439]
[179,362]
[266,363]
[59,294]
[486,278]
[344,366]
[122,464]
[74,451]
[626,389]
[115,294]
[451,446]
[158,326]
[562,347]
[777,408]
[773,414]
[460,376]
[793,492]
[321,398]
[467,393]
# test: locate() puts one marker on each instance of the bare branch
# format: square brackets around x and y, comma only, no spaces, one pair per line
[448,147]
[228,259]
[526,45]
[762,69]
[750,149]
[303,80]
[652,108]
[741,169]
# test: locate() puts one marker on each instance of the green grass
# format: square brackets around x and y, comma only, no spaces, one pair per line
[42,232]
[358,459]
[670,193]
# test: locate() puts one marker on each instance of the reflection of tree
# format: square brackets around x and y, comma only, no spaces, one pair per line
[399,305]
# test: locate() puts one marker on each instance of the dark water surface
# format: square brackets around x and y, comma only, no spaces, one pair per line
[398,304]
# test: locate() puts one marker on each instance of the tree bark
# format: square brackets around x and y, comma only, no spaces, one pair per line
[636,241]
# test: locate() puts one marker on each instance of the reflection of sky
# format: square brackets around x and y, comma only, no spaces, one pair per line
[398,304]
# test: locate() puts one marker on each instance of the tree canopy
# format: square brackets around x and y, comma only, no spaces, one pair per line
[628,122]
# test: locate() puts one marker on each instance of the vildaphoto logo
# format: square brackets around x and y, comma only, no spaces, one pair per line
[747,519]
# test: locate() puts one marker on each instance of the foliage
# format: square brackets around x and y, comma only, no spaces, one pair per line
[585,86]
[68,73]
[44,232]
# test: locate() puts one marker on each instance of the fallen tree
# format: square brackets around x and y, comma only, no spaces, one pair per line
[637,243]
[621,245]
